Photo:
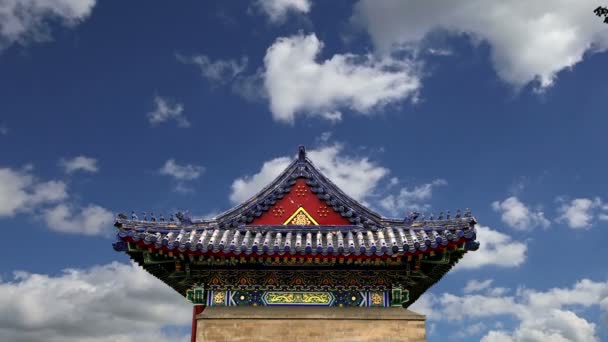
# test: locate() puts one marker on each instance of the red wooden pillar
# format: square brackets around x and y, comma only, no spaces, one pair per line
[196,309]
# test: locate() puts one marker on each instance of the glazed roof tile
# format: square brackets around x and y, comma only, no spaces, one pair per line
[299,240]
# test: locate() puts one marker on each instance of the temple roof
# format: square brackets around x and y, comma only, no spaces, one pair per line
[353,230]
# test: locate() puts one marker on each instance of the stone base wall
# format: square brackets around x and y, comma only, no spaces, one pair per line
[294,324]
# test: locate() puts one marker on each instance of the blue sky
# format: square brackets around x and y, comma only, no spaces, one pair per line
[109,107]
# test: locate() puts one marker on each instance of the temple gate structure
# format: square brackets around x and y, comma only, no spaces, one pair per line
[300,261]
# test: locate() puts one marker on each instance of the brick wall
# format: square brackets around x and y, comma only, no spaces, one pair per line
[294,324]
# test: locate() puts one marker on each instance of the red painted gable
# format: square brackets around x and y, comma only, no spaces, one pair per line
[301,196]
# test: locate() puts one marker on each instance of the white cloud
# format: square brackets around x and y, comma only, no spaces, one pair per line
[165,110]
[332,116]
[470,330]
[4,130]
[20,191]
[579,213]
[24,21]
[585,293]
[113,302]
[245,187]
[556,325]
[497,336]
[496,249]
[541,315]
[296,83]
[425,305]
[184,172]
[357,176]
[603,216]
[222,71]
[529,40]
[89,220]
[477,285]
[517,215]
[277,10]
[79,163]
[250,87]
[411,199]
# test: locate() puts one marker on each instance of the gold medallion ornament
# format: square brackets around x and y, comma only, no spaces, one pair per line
[377,298]
[219,298]
[301,218]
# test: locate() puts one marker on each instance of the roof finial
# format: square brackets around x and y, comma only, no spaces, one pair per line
[467,213]
[301,153]
[411,217]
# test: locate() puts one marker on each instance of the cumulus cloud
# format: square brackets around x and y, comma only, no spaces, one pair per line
[555,325]
[411,199]
[357,176]
[496,249]
[90,220]
[529,41]
[425,305]
[517,215]
[20,191]
[297,82]
[79,163]
[580,213]
[477,285]
[540,315]
[245,187]
[165,110]
[23,21]
[181,172]
[3,129]
[113,302]
[277,10]
[222,71]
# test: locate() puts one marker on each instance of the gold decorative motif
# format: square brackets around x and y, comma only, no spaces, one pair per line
[301,218]
[376,298]
[219,298]
[301,190]
[298,298]
[323,211]
[278,211]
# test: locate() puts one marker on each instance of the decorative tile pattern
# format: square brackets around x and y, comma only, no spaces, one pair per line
[278,211]
[298,298]
[323,211]
[301,190]
[301,218]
